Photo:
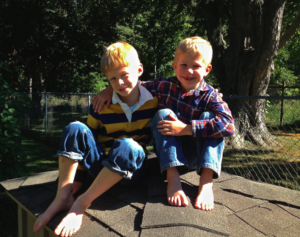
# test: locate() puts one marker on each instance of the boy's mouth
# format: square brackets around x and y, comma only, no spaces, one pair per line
[188,78]
[123,89]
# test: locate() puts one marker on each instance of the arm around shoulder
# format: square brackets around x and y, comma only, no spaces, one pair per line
[103,97]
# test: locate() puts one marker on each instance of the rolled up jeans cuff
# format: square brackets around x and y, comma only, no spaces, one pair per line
[69,154]
[125,174]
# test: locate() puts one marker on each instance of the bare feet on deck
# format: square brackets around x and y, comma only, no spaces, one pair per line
[176,196]
[205,198]
[72,222]
[59,204]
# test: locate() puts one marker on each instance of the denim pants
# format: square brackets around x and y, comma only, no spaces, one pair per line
[124,158]
[194,152]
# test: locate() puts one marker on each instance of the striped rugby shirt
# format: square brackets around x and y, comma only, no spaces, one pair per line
[117,121]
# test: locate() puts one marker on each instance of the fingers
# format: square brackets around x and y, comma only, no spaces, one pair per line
[98,106]
[108,103]
[172,117]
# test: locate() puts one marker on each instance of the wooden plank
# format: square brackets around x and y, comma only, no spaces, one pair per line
[20,221]
[24,223]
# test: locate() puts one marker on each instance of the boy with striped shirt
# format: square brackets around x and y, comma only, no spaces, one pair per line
[111,147]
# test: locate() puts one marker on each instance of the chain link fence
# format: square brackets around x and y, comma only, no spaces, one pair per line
[266,146]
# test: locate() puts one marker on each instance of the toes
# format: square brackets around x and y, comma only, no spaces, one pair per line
[184,200]
[59,230]
[178,202]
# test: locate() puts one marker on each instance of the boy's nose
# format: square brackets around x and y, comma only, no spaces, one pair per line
[190,70]
[121,82]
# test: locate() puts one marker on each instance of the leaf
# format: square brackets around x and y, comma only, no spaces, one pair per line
[6,133]
[11,110]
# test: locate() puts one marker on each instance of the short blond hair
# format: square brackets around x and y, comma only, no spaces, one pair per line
[195,45]
[119,54]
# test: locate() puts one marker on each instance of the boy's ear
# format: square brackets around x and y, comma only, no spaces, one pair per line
[174,65]
[208,69]
[140,69]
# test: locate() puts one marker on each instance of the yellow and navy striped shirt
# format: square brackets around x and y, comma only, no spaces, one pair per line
[112,124]
[118,121]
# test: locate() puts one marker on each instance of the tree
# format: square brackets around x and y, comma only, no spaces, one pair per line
[243,55]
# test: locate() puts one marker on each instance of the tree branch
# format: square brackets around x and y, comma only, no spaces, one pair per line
[290,32]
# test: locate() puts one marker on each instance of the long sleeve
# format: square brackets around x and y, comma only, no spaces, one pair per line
[222,125]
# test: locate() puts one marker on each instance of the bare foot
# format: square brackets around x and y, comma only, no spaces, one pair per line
[176,197]
[72,222]
[58,205]
[205,198]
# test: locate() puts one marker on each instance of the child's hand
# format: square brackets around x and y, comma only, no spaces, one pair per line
[174,128]
[76,186]
[102,97]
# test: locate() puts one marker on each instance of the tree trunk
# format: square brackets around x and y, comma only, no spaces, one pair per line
[32,70]
[244,67]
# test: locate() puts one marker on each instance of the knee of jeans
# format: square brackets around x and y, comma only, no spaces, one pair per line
[75,126]
[127,154]
[163,114]
[207,115]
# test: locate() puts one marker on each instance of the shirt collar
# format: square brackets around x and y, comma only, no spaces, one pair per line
[145,95]
[202,87]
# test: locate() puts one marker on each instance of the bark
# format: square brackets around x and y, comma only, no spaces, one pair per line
[290,32]
[32,69]
[244,67]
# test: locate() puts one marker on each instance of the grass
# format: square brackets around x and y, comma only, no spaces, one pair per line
[40,158]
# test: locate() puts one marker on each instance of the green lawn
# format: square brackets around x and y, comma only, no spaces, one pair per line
[40,158]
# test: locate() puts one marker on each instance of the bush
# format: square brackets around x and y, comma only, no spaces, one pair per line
[13,106]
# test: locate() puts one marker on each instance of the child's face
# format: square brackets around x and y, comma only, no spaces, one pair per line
[190,70]
[124,79]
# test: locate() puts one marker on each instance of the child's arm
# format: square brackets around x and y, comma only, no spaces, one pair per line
[101,98]
[222,125]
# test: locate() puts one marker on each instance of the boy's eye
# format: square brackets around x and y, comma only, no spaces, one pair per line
[111,79]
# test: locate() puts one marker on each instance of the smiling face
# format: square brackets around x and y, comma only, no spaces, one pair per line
[190,70]
[124,80]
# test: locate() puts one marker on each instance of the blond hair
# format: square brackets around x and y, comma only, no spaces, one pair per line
[119,54]
[195,45]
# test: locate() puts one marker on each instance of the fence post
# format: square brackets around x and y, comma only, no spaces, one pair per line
[89,102]
[282,102]
[46,115]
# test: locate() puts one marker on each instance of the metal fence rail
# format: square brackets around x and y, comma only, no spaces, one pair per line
[274,159]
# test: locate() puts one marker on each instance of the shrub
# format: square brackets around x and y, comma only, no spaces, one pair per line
[13,106]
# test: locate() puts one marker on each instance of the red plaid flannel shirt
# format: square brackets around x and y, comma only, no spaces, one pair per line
[189,106]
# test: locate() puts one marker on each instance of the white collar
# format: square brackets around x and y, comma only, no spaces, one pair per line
[145,95]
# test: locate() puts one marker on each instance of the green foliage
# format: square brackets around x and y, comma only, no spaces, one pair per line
[283,72]
[287,68]
[13,106]
[100,81]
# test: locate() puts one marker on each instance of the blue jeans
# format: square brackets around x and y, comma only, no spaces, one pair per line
[124,158]
[194,152]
